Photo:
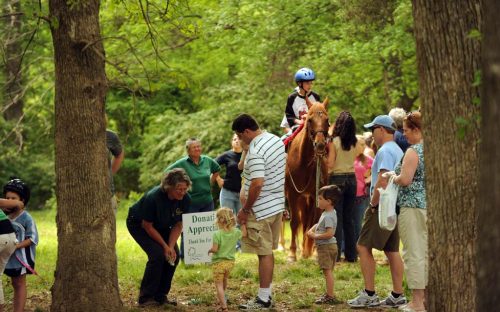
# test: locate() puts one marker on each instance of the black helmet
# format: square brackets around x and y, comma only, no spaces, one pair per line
[18,186]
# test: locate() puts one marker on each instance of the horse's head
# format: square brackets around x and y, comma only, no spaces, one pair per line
[317,126]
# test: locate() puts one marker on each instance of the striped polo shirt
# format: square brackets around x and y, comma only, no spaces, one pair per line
[266,159]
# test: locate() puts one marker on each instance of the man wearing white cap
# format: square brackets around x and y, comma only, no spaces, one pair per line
[372,236]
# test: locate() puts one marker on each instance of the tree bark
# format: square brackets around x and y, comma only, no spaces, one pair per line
[448,60]
[13,95]
[13,107]
[488,240]
[86,271]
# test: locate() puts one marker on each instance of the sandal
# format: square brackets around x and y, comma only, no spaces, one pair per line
[221,309]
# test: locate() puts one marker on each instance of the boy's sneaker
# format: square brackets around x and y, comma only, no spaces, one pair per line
[391,302]
[256,304]
[364,300]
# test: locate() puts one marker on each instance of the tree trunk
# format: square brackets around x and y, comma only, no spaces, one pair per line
[13,107]
[448,60]
[86,271]
[488,237]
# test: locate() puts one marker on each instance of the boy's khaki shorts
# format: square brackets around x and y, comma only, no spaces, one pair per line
[222,268]
[327,255]
[262,236]
[372,236]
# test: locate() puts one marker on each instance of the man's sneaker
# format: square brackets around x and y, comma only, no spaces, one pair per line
[391,302]
[256,304]
[364,300]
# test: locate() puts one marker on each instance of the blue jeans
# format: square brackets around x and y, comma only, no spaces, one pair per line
[360,204]
[192,209]
[344,209]
[230,199]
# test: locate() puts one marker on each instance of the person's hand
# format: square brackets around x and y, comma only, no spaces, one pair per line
[388,174]
[242,217]
[311,234]
[170,253]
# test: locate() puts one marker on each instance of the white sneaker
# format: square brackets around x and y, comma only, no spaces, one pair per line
[391,302]
[364,300]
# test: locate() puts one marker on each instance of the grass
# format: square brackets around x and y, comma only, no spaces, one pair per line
[295,285]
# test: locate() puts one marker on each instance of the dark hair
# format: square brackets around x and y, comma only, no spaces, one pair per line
[174,176]
[413,120]
[345,128]
[331,193]
[243,122]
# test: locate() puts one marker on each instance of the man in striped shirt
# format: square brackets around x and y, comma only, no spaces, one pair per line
[263,201]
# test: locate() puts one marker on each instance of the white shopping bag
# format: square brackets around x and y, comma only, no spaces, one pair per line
[387,217]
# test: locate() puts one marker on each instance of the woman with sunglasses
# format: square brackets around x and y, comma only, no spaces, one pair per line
[412,220]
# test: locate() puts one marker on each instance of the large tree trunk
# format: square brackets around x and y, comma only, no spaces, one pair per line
[13,107]
[86,272]
[488,237]
[13,94]
[447,63]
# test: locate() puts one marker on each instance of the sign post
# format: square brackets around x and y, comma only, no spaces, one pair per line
[198,229]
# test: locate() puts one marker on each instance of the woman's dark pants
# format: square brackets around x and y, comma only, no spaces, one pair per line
[158,274]
[344,209]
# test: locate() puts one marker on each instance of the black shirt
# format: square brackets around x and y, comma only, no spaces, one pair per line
[156,207]
[232,180]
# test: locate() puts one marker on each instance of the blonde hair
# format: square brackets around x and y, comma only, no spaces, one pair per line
[225,219]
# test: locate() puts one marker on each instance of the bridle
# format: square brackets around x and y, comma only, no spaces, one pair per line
[312,135]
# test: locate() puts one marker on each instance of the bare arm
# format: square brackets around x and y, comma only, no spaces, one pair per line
[244,232]
[381,182]
[329,233]
[220,181]
[213,177]
[241,164]
[408,168]
[214,249]
[8,204]
[247,203]
[153,233]
[25,243]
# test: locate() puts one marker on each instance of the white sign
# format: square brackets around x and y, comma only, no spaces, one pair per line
[198,229]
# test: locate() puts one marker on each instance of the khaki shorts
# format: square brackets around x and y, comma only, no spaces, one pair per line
[327,256]
[262,236]
[372,236]
[221,269]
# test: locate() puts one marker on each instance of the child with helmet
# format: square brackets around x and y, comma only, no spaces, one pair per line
[296,107]
[22,261]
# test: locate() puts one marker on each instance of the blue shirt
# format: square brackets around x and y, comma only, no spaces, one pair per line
[25,228]
[387,157]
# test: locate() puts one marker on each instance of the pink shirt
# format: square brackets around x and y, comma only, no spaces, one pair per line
[360,170]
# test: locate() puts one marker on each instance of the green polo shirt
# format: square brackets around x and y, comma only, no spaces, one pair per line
[199,174]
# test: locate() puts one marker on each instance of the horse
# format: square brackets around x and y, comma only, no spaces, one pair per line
[308,147]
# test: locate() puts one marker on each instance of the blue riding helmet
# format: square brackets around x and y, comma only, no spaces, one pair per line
[304,74]
[19,187]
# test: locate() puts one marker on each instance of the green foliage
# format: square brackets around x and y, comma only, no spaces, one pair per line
[186,68]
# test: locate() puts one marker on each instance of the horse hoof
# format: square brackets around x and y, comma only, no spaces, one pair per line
[291,258]
[281,247]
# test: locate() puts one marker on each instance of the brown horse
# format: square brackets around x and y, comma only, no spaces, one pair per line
[300,180]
